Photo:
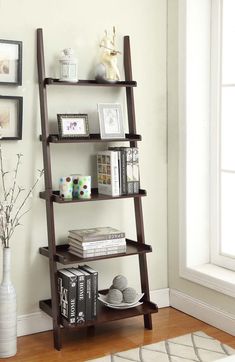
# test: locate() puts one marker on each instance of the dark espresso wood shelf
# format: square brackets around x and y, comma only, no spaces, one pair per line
[59,254]
[89,83]
[104,314]
[63,256]
[94,137]
[95,196]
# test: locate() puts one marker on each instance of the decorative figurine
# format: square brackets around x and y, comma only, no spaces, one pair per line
[68,66]
[107,70]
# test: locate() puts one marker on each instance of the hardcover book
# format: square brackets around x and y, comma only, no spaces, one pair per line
[108,173]
[81,300]
[94,253]
[67,289]
[96,244]
[95,234]
[135,170]
[87,293]
[121,168]
[129,172]
[94,289]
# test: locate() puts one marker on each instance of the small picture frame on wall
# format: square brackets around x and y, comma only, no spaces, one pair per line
[10,62]
[111,120]
[73,125]
[11,115]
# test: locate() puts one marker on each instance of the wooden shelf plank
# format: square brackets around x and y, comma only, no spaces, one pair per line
[63,256]
[95,196]
[93,137]
[90,83]
[104,314]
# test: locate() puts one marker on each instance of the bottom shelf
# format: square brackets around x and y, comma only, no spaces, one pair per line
[104,314]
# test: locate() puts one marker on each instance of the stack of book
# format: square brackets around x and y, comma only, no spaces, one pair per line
[98,241]
[78,294]
[118,171]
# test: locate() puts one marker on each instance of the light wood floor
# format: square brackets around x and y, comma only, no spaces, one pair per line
[113,337]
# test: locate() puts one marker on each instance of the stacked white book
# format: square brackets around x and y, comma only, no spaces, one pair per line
[98,241]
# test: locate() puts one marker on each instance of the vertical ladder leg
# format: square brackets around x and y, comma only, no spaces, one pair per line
[142,259]
[137,200]
[48,191]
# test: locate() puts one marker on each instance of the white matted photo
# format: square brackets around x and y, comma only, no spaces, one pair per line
[73,125]
[10,62]
[111,120]
[11,109]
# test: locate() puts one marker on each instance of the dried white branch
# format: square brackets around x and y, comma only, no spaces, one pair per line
[10,213]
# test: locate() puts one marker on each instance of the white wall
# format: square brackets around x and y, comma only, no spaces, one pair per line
[206,295]
[80,25]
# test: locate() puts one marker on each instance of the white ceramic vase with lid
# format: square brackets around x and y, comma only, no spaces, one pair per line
[68,66]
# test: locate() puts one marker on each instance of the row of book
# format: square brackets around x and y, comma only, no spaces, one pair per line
[78,294]
[98,241]
[118,171]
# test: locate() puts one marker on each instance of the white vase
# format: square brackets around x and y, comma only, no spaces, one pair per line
[8,338]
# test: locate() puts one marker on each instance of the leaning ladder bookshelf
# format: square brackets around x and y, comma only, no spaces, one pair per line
[59,253]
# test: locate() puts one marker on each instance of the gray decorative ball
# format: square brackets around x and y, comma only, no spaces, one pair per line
[114,296]
[129,295]
[120,282]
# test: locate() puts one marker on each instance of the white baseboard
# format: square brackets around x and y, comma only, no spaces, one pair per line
[33,323]
[203,311]
[160,297]
[40,322]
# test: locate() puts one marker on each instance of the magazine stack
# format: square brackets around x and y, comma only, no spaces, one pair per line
[88,243]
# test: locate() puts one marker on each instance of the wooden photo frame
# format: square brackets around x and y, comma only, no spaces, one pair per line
[11,116]
[10,62]
[111,120]
[73,125]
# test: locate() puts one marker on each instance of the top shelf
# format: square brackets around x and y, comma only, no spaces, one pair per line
[90,83]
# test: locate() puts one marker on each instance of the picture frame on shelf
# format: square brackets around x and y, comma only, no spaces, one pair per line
[73,125]
[110,120]
[11,117]
[10,62]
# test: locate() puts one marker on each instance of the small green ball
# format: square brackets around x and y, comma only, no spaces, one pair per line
[114,296]
[129,295]
[120,282]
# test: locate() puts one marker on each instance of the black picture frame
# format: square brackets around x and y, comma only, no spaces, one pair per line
[11,118]
[73,125]
[10,68]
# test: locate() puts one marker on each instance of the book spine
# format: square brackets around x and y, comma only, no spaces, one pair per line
[87,295]
[68,296]
[81,300]
[115,174]
[123,171]
[135,170]
[94,294]
[86,239]
[94,289]
[95,253]
[97,243]
[129,173]
[97,250]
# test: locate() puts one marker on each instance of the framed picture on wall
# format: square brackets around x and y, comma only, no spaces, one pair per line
[73,125]
[10,62]
[110,120]
[11,113]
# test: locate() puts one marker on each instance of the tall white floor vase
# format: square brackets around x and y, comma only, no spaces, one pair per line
[8,338]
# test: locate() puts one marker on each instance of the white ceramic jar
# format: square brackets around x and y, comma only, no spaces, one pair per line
[68,66]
